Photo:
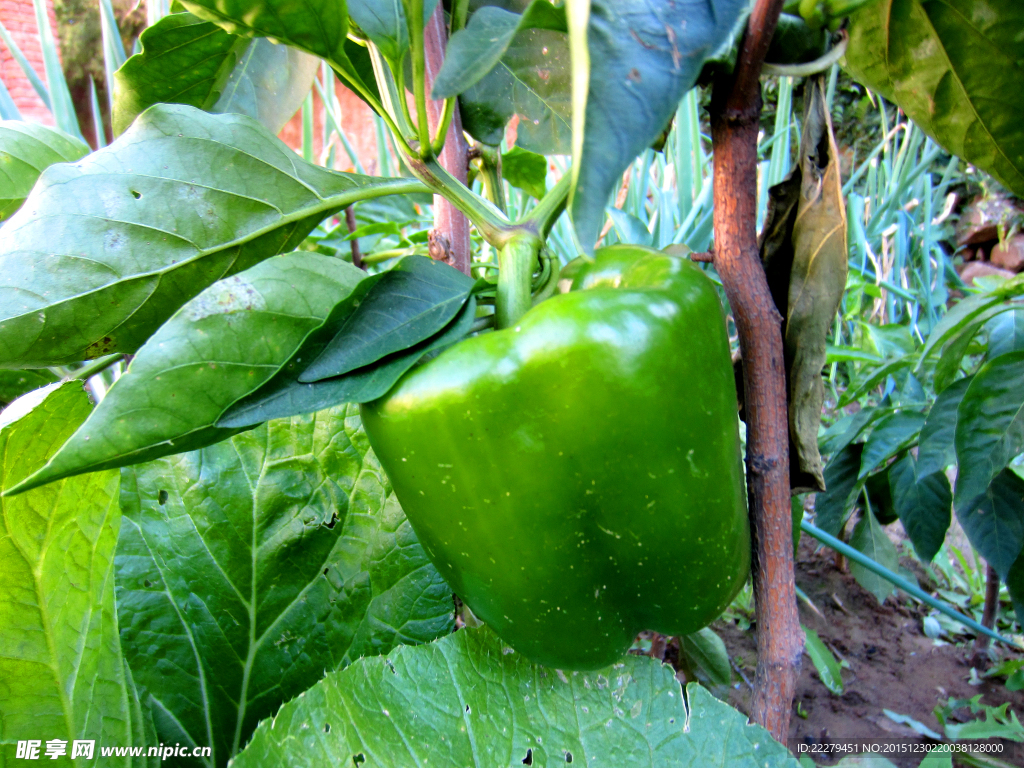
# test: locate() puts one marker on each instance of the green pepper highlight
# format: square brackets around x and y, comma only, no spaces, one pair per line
[576,478]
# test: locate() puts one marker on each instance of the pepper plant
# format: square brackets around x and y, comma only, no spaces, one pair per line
[193,551]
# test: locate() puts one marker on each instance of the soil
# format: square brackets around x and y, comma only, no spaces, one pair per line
[893,665]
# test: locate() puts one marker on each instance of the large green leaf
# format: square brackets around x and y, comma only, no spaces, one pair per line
[643,57]
[989,425]
[26,150]
[284,396]
[62,675]
[870,538]
[956,67]
[832,507]
[219,347]
[107,249]
[469,700]
[384,22]
[247,569]
[14,384]
[269,83]
[186,60]
[994,521]
[409,303]
[319,27]
[924,503]
[474,51]
[1005,333]
[890,436]
[531,81]
[936,449]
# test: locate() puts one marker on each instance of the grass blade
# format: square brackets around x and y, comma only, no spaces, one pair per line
[113,49]
[97,116]
[60,97]
[8,109]
[30,73]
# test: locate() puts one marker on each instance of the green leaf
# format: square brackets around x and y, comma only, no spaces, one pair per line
[474,51]
[219,347]
[706,651]
[629,228]
[966,312]
[891,435]
[1015,586]
[284,396]
[60,662]
[269,83]
[185,60]
[849,428]
[825,663]
[916,725]
[409,303]
[994,521]
[924,503]
[643,58]
[1005,333]
[878,376]
[525,170]
[26,150]
[251,567]
[384,22]
[469,700]
[990,425]
[936,449]
[869,538]
[100,257]
[531,81]
[832,507]
[319,27]
[955,67]
[14,384]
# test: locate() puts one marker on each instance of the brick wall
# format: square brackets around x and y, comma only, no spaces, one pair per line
[19,17]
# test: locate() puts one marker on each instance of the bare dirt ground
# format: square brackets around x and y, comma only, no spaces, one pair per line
[893,665]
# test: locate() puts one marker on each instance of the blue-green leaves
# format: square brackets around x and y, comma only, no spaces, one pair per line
[642,58]
[474,51]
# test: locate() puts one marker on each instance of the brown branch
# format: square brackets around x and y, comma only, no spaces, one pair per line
[735,108]
[350,223]
[988,616]
[451,227]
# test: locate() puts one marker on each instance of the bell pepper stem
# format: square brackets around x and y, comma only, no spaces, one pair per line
[515,270]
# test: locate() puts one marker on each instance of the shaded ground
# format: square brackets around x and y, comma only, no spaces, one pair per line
[893,665]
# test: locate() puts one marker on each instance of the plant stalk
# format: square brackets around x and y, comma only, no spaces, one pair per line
[988,614]
[515,276]
[735,108]
[451,227]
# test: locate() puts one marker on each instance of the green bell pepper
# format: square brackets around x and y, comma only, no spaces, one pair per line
[576,478]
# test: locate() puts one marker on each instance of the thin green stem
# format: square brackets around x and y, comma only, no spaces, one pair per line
[459,13]
[544,215]
[442,129]
[96,366]
[490,176]
[385,109]
[419,75]
[398,72]
[492,224]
